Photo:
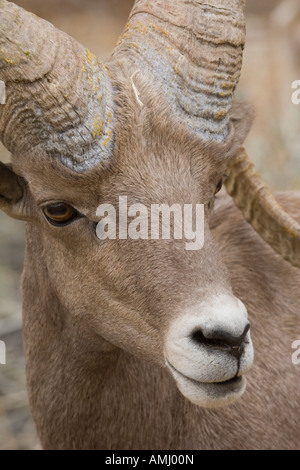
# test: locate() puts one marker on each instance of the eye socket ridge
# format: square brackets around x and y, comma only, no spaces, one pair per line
[60,214]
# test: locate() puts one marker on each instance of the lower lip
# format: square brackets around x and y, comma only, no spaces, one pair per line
[233,381]
[209,394]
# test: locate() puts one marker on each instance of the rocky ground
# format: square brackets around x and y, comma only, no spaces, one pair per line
[271,64]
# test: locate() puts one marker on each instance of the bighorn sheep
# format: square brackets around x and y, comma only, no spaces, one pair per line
[134,344]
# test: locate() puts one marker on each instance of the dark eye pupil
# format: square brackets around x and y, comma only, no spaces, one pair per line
[219,186]
[57,209]
[60,213]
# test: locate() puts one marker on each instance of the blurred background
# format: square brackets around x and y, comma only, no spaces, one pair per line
[271,64]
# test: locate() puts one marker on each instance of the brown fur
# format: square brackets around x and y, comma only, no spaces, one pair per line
[96,313]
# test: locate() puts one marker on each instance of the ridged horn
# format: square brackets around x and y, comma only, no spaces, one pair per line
[261,209]
[192,49]
[58,95]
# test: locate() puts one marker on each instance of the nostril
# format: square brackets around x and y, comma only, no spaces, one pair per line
[220,339]
[212,342]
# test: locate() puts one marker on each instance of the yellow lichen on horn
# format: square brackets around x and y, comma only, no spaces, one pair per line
[24,56]
[53,85]
[261,210]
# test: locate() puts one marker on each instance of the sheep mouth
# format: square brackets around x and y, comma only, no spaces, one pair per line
[234,380]
[209,394]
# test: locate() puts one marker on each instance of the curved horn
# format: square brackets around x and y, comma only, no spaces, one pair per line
[193,50]
[58,95]
[261,209]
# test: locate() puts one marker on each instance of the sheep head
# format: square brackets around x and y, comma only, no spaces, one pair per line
[156,124]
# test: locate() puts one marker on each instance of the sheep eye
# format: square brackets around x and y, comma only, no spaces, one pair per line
[218,187]
[60,214]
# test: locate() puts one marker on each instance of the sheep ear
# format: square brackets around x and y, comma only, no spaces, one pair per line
[241,119]
[11,193]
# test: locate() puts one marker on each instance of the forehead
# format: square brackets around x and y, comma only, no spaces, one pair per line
[154,167]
